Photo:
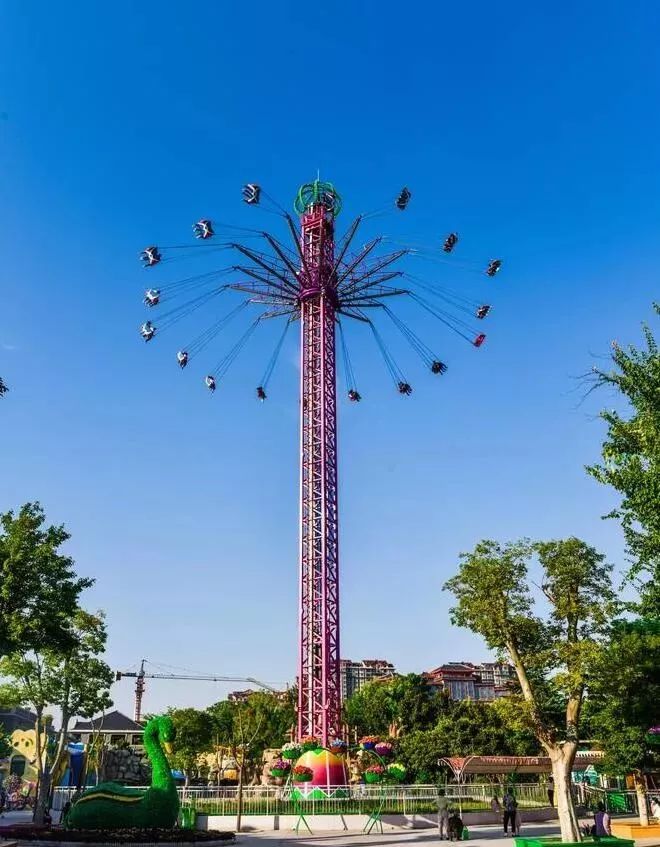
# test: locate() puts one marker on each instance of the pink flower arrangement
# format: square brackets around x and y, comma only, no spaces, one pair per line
[280,768]
[384,749]
[309,742]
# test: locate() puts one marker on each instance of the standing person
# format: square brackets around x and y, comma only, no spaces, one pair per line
[510,806]
[551,791]
[603,822]
[517,822]
[495,805]
[443,814]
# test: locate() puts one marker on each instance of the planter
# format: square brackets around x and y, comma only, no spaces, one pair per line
[383,749]
[548,840]
[372,777]
[279,773]
[303,777]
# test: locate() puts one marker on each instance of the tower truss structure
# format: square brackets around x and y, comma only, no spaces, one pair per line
[319,283]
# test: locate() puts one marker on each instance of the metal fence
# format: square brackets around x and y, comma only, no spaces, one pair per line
[349,799]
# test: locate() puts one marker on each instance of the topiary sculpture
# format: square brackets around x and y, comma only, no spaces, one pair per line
[110,805]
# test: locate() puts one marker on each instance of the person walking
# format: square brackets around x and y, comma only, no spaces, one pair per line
[443,814]
[510,806]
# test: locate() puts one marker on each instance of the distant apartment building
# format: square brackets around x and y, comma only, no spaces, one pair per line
[466,681]
[355,674]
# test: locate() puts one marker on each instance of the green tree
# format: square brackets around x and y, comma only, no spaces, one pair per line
[73,678]
[623,702]
[3,388]
[631,459]
[406,702]
[5,743]
[39,589]
[468,728]
[552,654]
[194,735]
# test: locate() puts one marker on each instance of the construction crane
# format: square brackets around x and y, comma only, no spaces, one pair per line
[141,675]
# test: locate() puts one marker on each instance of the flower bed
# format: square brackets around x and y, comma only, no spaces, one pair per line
[129,835]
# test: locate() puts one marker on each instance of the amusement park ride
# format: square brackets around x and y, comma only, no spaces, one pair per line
[320,283]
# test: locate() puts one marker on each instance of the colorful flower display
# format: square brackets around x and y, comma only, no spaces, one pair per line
[302,774]
[292,750]
[309,742]
[369,742]
[338,745]
[375,773]
[384,749]
[280,768]
[396,772]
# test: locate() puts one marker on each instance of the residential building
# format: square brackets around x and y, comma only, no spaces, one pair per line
[11,719]
[115,728]
[355,674]
[467,681]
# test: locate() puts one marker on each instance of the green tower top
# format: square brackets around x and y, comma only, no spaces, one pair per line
[317,193]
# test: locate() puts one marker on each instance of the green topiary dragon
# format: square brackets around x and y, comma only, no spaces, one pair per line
[110,805]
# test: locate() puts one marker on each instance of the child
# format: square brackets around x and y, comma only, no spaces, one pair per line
[455,826]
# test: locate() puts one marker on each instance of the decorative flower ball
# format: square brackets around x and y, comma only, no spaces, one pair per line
[280,768]
[337,745]
[302,774]
[375,773]
[309,742]
[292,750]
[384,749]
[396,771]
[369,742]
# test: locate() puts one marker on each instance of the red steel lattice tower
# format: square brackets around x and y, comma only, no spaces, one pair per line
[319,691]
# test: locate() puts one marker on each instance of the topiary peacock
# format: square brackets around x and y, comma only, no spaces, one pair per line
[110,805]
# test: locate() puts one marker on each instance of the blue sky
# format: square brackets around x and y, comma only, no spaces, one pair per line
[533,131]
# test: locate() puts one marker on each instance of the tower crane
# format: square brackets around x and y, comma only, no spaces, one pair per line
[141,675]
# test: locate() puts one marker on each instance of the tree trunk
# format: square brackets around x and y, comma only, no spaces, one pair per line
[239,798]
[562,766]
[640,791]
[43,793]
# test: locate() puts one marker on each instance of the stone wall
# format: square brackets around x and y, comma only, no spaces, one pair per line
[126,765]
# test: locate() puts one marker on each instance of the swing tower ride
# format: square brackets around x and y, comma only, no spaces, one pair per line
[319,284]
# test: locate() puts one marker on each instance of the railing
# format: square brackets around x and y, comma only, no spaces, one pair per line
[348,799]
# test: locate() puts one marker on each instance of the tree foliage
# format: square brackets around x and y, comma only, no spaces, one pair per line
[194,735]
[631,458]
[39,589]
[71,677]
[554,640]
[264,718]
[624,694]
[405,701]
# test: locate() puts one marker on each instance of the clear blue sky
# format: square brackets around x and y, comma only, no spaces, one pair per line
[532,130]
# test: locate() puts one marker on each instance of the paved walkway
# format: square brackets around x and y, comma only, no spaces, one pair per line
[479,835]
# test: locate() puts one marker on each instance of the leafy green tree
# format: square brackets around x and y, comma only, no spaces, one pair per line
[552,653]
[5,743]
[264,720]
[631,459]
[624,695]
[194,735]
[406,702]
[468,728]
[39,589]
[3,388]
[73,678]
